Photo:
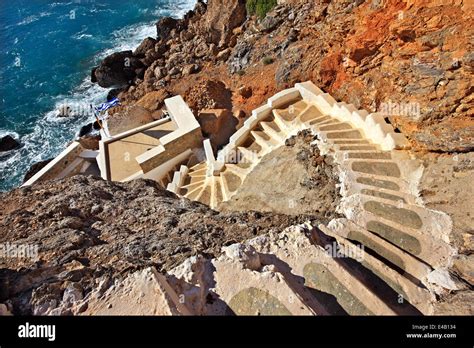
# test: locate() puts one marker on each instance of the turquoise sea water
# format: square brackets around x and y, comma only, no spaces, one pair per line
[47,49]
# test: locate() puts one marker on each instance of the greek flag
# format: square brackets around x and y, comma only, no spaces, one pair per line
[106,106]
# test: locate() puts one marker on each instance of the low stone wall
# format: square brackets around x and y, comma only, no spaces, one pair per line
[54,168]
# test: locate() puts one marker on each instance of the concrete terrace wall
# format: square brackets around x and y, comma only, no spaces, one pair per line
[58,165]
[187,136]
[117,154]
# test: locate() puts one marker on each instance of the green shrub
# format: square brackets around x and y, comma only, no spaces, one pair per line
[260,7]
[267,60]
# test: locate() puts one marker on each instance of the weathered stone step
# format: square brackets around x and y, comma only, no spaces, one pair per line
[330,122]
[416,295]
[231,180]
[255,147]
[270,129]
[190,179]
[336,127]
[349,134]
[311,113]
[323,276]
[264,140]
[205,195]
[236,169]
[356,147]
[247,155]
[197,167]
[407,265]
[415,229]
[384,195]
[244,288]
[368,155]
[216,192]
[292,112]
[370,181]
[313,123]
[281,122]
[387,169]
[195,193]
[351,142]
[192,187]
[199,172]
[226,193]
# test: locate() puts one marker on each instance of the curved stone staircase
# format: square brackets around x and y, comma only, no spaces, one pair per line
[405,245]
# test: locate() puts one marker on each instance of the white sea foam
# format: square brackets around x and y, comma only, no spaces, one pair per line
[33,18]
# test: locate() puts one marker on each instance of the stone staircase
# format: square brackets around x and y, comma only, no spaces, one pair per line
[404,245]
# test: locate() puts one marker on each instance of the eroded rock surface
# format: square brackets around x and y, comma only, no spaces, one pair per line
[86,229]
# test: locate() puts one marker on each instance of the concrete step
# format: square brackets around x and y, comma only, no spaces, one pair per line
[335,127]
[231,181]
[216,192]
[333,289]
[403,262]
[280,121]
[194,194]
[264,140]
[270,128]
[247,155]
[412,228]
[239,170]
[190,179]
[415,293]
[192,187]
[205,195]
[310,114]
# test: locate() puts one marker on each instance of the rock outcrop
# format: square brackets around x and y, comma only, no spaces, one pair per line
[118,70]
[91,233]
[8,143]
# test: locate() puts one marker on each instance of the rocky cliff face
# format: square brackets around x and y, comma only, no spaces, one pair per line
[412,60]
[88,231]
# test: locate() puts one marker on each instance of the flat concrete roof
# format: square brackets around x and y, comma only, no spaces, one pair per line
[122,153]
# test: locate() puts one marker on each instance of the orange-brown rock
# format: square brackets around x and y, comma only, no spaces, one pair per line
[218,125]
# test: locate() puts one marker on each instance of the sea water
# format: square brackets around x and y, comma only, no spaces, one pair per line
[47,50]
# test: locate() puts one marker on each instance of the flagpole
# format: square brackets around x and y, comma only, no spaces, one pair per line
[102,119]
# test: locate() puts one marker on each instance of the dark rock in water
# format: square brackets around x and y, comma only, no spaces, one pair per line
[86,129]
[93,78]
[116,70]
[65,111]
[164,27]
[113,93]
[35,168]
[146,45]
[8,143]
